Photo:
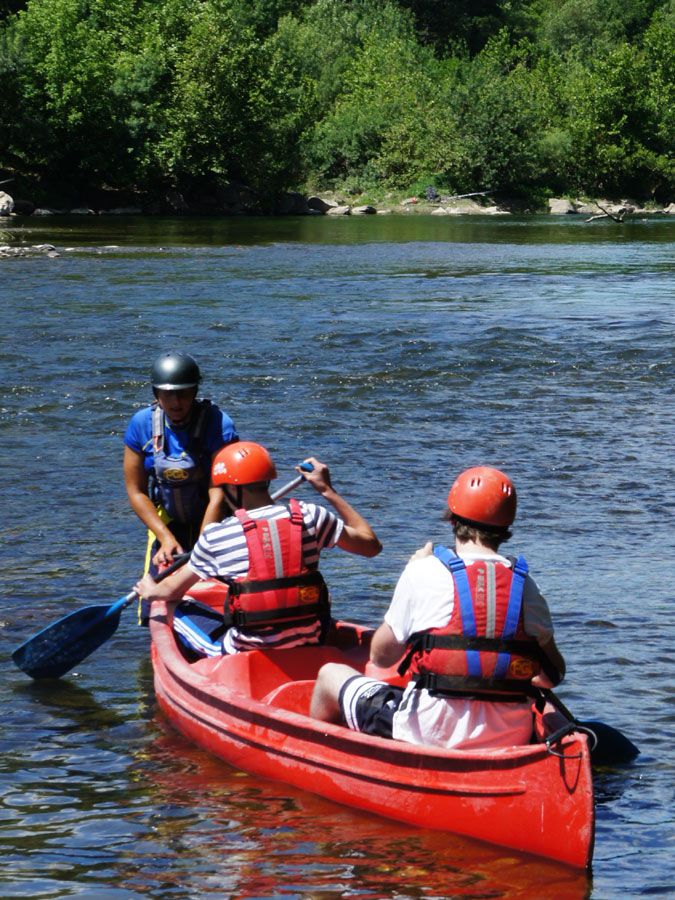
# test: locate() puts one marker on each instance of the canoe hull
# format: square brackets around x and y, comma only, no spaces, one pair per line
[250,710]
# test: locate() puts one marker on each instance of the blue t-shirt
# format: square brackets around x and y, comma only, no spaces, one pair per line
[218,430]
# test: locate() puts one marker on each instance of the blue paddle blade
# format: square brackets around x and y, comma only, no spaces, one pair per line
[57,648]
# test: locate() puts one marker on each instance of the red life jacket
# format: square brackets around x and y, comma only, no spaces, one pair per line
[278,587]
[483,650]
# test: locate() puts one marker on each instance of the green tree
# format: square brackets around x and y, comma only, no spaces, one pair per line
[659,72]
[446,23]
[141,94]
[213,122]
[619,129]
[383,75]
[500,104]
[588,27]
[86,78]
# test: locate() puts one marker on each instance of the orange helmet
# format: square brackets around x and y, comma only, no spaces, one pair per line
[483,496]
[242,463]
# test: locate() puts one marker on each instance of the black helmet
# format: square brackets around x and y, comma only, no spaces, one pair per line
[172,371]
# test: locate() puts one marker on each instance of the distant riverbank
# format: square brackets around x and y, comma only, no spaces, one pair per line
[239,200]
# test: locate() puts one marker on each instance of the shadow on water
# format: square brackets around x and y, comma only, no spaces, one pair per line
[68,703]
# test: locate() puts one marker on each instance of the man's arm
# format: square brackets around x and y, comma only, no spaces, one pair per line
[557,666]
[385,649]
[357,535]
[217,507]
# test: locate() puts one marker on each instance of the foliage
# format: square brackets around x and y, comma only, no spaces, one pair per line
[444,23]
[508,95]
[586,27]
[386,82]
[620,118]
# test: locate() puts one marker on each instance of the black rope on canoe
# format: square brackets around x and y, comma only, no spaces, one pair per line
[568,729]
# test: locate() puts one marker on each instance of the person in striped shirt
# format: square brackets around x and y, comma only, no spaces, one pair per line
[244,471]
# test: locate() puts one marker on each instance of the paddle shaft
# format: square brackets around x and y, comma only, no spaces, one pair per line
[291,484]
[557,702]
[132,595]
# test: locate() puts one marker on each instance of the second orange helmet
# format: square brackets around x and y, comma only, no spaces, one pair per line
[243,462]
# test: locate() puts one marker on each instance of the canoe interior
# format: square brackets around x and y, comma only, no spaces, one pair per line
[285,678]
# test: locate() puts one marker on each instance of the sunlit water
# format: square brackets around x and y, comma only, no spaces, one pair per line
[399,350]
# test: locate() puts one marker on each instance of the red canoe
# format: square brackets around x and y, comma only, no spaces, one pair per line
[251,710]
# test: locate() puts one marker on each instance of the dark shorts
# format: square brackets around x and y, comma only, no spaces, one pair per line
[368,706]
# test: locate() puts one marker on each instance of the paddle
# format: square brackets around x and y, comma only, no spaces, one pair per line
[62,645]
[609,747]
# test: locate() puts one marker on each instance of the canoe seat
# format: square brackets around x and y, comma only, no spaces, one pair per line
[292,695]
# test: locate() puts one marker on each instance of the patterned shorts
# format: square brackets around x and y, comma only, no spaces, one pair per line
[368,706]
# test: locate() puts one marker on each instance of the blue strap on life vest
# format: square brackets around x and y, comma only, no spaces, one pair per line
[461,582]
[512,618]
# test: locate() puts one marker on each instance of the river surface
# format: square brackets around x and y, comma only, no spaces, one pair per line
[399,350]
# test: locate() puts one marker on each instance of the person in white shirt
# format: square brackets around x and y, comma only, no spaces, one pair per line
[476,630]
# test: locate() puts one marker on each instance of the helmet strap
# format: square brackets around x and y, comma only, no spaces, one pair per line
[235,495]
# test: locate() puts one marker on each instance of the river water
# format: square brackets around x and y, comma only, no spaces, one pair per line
[399,350]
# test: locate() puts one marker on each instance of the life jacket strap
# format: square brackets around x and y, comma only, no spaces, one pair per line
[245,521]
[460,578]
[270,584]
[157,428]
[526,648]
[299,614]
[500,690]
[425,642]
[513,608]
[196,432]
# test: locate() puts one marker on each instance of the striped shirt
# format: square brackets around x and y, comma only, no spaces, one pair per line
[222,552]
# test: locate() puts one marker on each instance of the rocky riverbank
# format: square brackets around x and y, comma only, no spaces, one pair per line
[239,200]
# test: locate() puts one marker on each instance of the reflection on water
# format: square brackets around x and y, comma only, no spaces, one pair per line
[259,839]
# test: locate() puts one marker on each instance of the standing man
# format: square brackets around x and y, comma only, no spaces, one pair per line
[267,553]
[477,633]
[168,451]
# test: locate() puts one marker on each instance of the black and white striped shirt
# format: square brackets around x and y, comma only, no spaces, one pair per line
[221,551]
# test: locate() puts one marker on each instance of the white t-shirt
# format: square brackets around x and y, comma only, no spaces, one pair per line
[424,598]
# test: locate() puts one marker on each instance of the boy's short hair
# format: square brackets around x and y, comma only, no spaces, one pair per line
[491,537]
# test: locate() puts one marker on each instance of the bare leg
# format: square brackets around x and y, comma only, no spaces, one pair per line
[330,679]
